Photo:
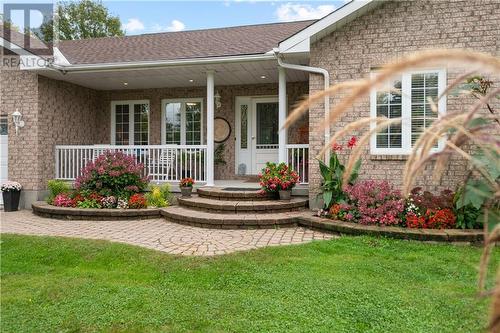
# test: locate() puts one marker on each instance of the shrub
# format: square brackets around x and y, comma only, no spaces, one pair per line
[432,219]
[376,201]
[108,202]
[112,173]
[277,177]
[137,201]
[158,196]
[89,203]
[424,200]
[57,187]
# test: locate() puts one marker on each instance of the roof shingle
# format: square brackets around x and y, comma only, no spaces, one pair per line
[242,40]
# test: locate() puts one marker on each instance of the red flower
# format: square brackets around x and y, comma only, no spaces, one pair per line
[336,147]
[352,142]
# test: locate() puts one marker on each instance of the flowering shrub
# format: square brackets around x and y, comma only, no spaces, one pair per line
[112,173]
[376,201]
[424,200]
[432,219]
[63,200]
[137,201]
[277,177]
[122,204]
[10,186]
[158,197]
[186,182]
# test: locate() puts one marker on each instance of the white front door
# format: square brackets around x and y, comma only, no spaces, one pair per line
[256,133]
[4,155]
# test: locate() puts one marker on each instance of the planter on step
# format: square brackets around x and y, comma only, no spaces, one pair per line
[285,195]
[186,191]
[11,200]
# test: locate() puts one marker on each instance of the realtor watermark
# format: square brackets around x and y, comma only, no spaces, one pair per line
[26,36]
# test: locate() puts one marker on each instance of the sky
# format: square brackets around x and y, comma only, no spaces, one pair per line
[140,17]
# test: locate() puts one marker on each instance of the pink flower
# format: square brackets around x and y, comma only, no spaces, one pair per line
[336,147]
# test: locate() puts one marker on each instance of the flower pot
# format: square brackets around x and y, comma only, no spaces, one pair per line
[186,191]
[11,200]
[285,195]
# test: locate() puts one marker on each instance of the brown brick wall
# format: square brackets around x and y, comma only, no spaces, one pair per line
[390,31]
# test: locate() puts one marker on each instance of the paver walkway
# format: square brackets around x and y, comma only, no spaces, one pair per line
[159,234]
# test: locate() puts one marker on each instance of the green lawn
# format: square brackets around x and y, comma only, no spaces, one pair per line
[351,284]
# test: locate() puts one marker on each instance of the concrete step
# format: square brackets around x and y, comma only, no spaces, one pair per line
[184,215]
[232,193]
[243,206]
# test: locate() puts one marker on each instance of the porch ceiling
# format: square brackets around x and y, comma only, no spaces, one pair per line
[248,72]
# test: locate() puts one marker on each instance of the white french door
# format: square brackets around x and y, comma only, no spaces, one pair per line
[256,133]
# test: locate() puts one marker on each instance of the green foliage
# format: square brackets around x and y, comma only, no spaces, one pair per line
[158,196]
[89,203]
[55,187]
[331,188]
[343,285]
[81,20]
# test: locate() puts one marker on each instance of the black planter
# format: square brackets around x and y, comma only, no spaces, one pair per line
[11,200]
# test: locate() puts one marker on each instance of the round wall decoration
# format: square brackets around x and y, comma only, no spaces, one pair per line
[222,129]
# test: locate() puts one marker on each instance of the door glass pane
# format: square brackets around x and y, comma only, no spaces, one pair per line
[173,123]
[267,123]
[244,127]
[3,125]
[122,124]
[193,123]
[141,121]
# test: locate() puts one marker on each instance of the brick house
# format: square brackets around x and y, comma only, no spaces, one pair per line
[172,99]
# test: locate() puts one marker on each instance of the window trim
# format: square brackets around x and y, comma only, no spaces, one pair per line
[183,102]
[406,148]
[131,119]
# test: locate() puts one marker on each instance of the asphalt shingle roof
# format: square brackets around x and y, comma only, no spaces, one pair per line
[242,40]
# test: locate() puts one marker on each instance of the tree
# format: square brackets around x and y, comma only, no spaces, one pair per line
[83,19]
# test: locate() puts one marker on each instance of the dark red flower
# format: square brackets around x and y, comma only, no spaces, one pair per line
[352,142]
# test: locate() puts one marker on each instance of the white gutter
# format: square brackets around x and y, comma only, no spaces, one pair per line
[326,80]
[154,64]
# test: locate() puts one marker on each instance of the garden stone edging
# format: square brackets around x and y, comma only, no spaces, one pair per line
[436,235]
[43,209]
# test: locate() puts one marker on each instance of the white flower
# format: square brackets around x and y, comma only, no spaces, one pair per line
[9,186]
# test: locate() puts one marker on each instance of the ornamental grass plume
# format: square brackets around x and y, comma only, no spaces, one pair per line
[458,132]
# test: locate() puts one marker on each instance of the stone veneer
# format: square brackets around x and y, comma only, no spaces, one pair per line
[390,31]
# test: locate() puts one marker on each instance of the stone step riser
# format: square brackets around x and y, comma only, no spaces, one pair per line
[230,198]
[242,207]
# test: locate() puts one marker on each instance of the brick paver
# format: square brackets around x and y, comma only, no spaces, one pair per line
[159,234]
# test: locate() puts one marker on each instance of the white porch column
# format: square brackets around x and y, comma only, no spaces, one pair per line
[282,135]
[210,128]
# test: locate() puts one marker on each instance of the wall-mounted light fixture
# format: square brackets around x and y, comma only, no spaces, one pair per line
[17,117]
[218,103]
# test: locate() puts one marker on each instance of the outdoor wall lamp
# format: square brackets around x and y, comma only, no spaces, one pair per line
[218,104]
[17,117]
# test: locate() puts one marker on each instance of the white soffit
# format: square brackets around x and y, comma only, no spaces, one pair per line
[301,41]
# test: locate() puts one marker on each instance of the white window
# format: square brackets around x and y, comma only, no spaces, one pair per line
[130,122]
[182,121]
[406,97]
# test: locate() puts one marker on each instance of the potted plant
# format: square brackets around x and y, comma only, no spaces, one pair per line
[278,178]
[186,186]
[11,192]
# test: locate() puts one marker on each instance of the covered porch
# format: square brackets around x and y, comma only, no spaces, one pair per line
[211,122]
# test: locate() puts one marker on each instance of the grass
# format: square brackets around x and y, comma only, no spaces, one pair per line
[351,284]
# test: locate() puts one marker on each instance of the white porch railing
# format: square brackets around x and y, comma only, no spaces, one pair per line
[162,163]
[298,159]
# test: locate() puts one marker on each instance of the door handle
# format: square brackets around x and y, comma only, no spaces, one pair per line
[253,137]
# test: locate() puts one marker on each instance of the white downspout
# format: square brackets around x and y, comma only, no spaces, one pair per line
[326,79]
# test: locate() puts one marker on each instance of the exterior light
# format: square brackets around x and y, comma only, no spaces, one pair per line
[263,77]
[125,84]
[17,117]
[191,80]
[218,104]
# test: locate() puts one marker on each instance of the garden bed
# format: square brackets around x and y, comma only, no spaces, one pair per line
[436,235]
[41,208]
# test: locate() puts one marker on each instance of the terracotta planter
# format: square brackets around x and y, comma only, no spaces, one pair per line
[285,195]
[186,191]
[11,200]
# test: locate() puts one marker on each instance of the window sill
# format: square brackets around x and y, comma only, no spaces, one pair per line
[388,157]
